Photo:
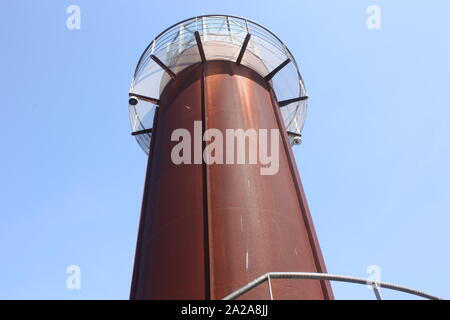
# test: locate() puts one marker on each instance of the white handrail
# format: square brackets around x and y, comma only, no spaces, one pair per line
[325,276]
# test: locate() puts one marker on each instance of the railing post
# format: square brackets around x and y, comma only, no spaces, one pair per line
[377,292]
[270,287]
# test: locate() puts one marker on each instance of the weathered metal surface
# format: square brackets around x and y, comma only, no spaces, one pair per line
[256,222]
[207,230]
[170,253]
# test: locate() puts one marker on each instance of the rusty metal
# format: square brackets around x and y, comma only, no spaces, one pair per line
[304,208]
[207,230]
[255,221]
[170,255]
[141,232]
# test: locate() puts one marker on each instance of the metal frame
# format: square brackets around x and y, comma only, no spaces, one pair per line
[294,134]
[136,133]
[163,66]
[206,16]
[325,276]
[243,48]
[289,101]
[277,69]
[200,46]
[200,26]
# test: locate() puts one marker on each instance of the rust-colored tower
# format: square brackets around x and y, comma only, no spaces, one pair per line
[208,229]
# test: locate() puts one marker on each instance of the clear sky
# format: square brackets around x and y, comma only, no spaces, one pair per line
[375,161]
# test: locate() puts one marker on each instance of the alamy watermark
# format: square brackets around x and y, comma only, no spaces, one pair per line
[73,281]
[73,21]
[235,146]
[374,277]
[374,17]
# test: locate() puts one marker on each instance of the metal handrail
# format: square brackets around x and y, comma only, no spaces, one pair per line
[211,16]
[159,59]
[376,285]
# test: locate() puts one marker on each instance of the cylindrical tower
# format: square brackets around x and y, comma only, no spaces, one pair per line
[217,102]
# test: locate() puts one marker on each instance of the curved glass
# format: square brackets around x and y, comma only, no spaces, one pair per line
[176,48]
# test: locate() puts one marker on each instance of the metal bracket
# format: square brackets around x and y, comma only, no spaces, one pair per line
[277,69]
[243,48]
[294,134]
[200,46]
[163,66]
[289,101]
[136,133]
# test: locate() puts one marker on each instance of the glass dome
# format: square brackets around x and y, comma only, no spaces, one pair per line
[161,61]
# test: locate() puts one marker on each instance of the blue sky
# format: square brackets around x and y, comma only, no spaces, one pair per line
[375,161]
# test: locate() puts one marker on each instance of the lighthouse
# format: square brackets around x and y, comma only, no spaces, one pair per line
[217,103]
